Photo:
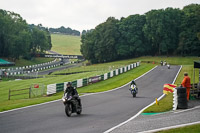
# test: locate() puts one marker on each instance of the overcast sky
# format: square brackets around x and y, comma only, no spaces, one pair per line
[83,14]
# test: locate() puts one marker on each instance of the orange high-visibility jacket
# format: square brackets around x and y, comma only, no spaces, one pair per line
[186,82]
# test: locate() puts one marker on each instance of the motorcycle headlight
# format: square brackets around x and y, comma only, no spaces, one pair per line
[63,99]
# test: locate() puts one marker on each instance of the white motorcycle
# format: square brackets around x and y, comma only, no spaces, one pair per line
[134,90]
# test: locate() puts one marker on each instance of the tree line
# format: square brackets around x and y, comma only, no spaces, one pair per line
[19,39]
[169,31]
[63,30]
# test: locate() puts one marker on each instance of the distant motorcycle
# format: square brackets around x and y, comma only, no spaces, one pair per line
[134,90]
[71,105]
[168,66]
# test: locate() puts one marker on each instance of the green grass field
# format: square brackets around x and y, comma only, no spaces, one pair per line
[171,60]
[187,129]
[66,44]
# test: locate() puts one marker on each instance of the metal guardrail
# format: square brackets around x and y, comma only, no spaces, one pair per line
[29,69]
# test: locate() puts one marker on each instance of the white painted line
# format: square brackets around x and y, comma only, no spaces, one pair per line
[113,128]
[29,106]
[167,128]
[80,96]
[177,75]
[187,110]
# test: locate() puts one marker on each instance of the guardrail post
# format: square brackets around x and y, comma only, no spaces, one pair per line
[9,95]
[30,92]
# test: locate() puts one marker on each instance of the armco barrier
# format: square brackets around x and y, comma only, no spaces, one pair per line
[85,82]
[28,69]
[79,83]
[116,71]
[108,75]
[105,76]
[59,87]
[54,88]
[74,83]
[51,89]
[102,77]
[121,70]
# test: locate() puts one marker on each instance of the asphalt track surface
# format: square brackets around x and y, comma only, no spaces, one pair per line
[100,111]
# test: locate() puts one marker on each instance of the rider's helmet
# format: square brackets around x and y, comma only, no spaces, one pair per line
[133,82]
[69,84]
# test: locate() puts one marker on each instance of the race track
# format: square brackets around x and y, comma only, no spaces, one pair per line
[100,111]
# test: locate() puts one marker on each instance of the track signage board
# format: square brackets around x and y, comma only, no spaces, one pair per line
[60,56]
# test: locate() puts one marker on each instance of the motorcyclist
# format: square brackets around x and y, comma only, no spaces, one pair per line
[161,63]
[71,91]
[133,83]
[168,66]
[164,63]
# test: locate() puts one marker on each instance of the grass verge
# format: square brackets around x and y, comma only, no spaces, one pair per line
[187,129]
[164,105]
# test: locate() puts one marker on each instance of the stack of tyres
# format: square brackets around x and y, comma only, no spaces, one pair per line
[182,98]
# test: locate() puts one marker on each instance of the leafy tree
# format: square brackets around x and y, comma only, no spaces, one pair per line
[64,30]
[106,38]
[162,30]
[131,42]
[87,47]
[158,32]
[189,43]
[41,41]
[18,39]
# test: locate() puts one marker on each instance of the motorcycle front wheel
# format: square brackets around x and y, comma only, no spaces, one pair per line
[79,111]
[68,109]
[134,94]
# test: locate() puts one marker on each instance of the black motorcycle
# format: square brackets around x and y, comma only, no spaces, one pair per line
[71,105]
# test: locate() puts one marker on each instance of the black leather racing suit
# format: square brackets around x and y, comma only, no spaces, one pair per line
[71,91]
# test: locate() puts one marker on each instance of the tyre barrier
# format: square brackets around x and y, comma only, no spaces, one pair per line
[175,99]
[182,98]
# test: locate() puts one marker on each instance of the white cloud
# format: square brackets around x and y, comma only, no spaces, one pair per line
[83,14]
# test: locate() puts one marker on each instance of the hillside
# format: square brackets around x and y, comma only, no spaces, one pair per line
[66,44]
